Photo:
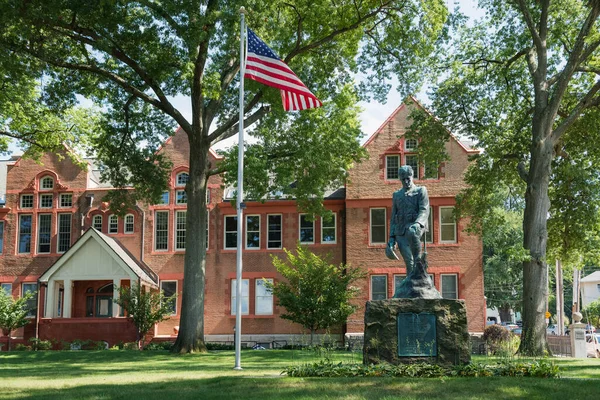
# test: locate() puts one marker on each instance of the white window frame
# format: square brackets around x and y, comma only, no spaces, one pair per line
[455,285]
[43,185]
[38,234]
[246,241]
[180,197]
[29,196]
[410,140]
[156,213]
[269,231]
[385,229]
[415,168]
[300,229]
[126,224]
[60,234]
[45,196]
[441,225]
[387,167]
[246,296]
[6,288]
[334,219]
[371,286]
[207,228]
[65,196]
[264,298]
[226,232]
[430,226]
[30,233]
[111,224]
[180,229]
[95,218]
[179,178]
[176,291]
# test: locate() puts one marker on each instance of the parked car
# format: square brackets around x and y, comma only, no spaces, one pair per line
[510,327]
[552,329]
[517,331]
[590,328]
[593,349]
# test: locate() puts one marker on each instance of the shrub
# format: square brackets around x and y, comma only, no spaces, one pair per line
[219,346]
[130,346]
[495,336]
[38,344]
[22,347]
[159,346]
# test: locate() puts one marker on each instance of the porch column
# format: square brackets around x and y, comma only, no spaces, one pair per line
[115,306]
[68,298]
[50,302]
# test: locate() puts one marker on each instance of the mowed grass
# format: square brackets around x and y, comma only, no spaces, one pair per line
[161,375]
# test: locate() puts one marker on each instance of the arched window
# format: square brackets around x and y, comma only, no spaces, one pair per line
[46,183]
[113,224]
[129,223]
[97,222]
[99,304]
[182,179]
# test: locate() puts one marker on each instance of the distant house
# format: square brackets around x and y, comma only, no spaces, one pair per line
[59,238]
[590,288]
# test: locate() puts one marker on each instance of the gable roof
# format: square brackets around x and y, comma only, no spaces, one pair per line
[405,103]
[113,249]
[593,277]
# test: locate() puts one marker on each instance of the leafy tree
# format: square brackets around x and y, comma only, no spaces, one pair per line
[519,83]
[13,312]
[132,57]
[145,308]
[316,295]
[591,313]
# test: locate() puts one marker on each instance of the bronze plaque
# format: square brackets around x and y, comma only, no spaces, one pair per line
[416,335]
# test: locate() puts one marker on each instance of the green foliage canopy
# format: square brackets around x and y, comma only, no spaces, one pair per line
[13,312]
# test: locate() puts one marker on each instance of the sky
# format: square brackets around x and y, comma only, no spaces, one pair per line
[374,113]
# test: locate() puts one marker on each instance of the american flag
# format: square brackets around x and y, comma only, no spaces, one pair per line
[264,66]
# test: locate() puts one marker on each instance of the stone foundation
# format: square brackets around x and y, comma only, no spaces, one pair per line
[381,331]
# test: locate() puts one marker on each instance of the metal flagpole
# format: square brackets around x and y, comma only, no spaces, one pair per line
[240,199]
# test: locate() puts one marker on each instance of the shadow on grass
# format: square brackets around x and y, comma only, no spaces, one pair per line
[318,388]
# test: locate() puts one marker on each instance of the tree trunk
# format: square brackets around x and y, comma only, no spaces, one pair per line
[504,313]
[191,326]
[312,337]
[535,270]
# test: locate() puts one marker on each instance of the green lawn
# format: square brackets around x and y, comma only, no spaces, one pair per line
[160,375]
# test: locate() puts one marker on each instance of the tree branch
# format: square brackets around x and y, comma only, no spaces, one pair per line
[159,11]
[212,138]
[24,138]
[537,40]
[234,129]
[586,102]
[522,170]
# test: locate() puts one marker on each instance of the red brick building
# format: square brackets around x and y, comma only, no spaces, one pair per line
[47,244]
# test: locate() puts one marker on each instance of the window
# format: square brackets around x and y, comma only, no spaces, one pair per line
[307,229]
[113,224]
[25,234]
[129,219]
[378,227]
[274,232]
[47,183]
[413,161]
[378,287]
[328,229]
[32,302]
[97,222]
[410,144]
[429,233]
[180,227]
[449,285]
[164,199]
[161,230]
[44,226]
[392,163]
[431,170]
[104,301]
[6,288]
[231,231]
[447,225]
[169,289]
[64,232]
[182,179]
[66,200]
[264,298]
[26,201]
[245,296]
[46,200]
[1,237]
[180,197]
[397,281]
[207,226]
[253,232]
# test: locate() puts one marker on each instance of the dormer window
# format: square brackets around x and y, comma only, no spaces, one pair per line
[182,179]
[46,183]
[410,144]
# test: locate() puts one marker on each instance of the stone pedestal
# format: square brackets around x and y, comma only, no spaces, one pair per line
[451,334]
[578,344]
